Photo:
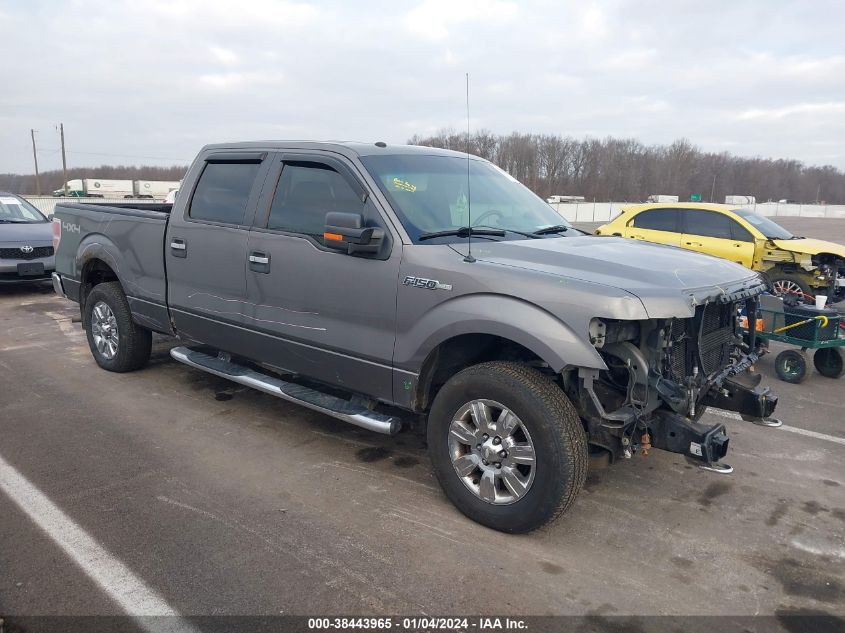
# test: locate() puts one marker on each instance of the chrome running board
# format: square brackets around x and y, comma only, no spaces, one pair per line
[298,394]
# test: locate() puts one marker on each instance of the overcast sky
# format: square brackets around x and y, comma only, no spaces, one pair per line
[151,81]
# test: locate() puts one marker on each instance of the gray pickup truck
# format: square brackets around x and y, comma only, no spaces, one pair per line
[388,285]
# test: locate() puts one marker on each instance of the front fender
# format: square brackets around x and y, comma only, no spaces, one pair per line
[507,317]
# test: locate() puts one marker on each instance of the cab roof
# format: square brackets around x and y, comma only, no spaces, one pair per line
[708,206]
[343,147]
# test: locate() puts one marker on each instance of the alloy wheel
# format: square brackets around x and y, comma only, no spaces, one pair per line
[492,452]
[104,330]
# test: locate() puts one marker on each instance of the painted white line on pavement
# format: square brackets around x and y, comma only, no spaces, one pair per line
[818,436]
[785,427]
[113,577]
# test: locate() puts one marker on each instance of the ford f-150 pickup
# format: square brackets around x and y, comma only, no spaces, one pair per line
[365,280]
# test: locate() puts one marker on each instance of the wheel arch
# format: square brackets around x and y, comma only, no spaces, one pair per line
[93,272]
[489,328]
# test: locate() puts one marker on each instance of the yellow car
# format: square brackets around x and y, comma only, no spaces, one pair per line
[794,265]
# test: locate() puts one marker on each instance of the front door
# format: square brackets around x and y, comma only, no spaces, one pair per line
[318,312]
[717,234]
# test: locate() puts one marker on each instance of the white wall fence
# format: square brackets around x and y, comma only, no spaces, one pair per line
[46,204]
[574,212]
[606,211]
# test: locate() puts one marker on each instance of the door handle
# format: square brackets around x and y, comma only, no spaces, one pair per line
[178,247]
[259,262]
[693,243]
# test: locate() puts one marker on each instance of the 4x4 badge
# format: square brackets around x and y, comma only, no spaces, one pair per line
[422,282]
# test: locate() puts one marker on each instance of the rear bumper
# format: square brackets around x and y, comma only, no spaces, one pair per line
[58,285]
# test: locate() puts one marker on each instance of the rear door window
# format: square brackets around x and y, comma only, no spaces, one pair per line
[707,224]
[657,220]
[222,192]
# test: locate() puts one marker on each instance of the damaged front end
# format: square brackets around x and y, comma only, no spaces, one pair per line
[662,374]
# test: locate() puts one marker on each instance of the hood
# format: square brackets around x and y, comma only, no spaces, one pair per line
[35,233]
[662,277]
[809,246]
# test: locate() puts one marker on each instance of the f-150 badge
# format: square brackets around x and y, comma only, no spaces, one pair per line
[422,282]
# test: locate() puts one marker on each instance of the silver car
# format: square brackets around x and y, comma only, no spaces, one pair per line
[26,242]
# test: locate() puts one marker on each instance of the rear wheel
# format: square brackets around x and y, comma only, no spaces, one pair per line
[791,365]
[830,361]
[116,341]
[507,446]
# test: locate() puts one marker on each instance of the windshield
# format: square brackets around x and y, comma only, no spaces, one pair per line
[18,210]
[763,224]
[429,194]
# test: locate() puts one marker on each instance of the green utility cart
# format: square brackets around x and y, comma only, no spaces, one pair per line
[805,327]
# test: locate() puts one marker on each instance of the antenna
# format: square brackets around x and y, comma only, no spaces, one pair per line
[469,258]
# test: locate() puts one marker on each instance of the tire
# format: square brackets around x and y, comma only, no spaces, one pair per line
[782,281]
[791,366]
[542,419]
[117,343]
[830,361]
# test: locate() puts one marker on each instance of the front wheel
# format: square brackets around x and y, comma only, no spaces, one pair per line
[507,446]
[116,341]
[791,366]
[787,284]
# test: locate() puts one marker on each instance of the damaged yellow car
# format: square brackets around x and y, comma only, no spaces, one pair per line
[793,265]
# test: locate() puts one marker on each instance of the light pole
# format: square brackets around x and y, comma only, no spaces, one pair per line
[35,158]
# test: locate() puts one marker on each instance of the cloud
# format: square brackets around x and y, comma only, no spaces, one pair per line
[433,19]
[164,77]
[800,109]
[224,55]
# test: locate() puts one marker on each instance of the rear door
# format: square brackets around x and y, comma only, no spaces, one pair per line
[718,234]
[205,249]
[313,310]
[661,226]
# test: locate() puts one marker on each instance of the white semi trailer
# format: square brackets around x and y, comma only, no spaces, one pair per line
[740,200]
[157,189]
[103,188]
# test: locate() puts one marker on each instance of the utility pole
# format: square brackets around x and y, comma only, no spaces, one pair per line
[713,188]
[35,158]
[818,192]
[64,160]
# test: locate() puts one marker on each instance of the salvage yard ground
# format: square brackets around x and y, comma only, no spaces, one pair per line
[221,500]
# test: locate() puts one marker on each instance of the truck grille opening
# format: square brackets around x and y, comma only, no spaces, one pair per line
[705,340]
[17,253]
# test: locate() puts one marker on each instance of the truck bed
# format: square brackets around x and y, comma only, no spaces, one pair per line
[129,238]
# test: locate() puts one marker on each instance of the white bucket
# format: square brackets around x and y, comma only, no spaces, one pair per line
[821,300]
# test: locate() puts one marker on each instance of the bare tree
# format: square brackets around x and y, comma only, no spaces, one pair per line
[625,169]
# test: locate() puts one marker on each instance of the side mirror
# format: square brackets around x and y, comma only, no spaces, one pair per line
[346,232]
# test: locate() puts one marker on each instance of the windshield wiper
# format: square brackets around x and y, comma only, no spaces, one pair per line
[464,231]
[533,236]
[557,228]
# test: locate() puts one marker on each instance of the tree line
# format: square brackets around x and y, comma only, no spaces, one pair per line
[52,180]
[608,169]
[624,169]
